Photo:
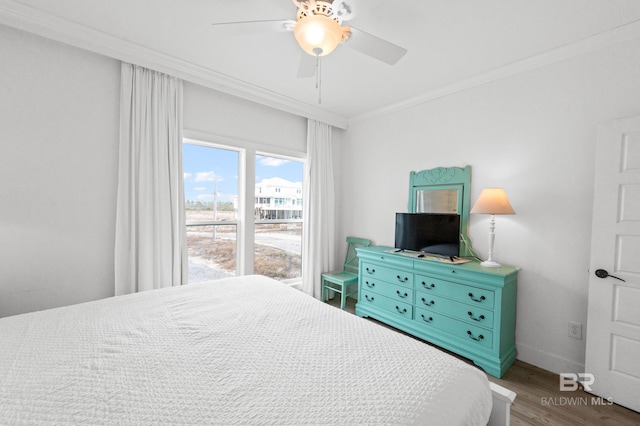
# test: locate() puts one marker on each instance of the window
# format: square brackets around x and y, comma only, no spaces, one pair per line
[278,227]
[211,207]
[217,213]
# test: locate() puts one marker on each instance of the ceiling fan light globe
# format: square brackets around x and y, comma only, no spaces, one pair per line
[318,32]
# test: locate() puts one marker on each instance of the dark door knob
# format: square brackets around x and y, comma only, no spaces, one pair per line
[601,273]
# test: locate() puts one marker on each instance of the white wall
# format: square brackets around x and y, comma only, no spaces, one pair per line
[212,113]
[533,134]
[58,151]
[216,116]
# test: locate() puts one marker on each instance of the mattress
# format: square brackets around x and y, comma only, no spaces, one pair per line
[238,351]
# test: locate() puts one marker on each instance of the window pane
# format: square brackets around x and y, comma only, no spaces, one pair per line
[210,183]
[278,210]
[211,197]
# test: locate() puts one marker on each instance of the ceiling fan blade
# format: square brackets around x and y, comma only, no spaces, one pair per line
[254,27]
[375,47]
[307,66]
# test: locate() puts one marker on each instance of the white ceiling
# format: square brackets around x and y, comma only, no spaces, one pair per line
[450,43]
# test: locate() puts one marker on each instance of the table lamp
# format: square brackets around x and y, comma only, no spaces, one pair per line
[492,201]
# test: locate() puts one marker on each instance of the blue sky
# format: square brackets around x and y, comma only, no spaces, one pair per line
[204,165]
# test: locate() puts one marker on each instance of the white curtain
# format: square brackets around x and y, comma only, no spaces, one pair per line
[319,208]
[150,248]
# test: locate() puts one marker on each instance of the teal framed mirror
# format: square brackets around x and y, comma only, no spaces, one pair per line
[443,190]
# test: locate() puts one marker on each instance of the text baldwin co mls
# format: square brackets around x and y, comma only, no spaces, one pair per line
[569,382]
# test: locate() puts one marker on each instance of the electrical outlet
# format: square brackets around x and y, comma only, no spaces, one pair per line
[575,330]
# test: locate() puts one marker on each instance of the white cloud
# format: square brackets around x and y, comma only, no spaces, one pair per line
[207,177]
[272,162]
[187,176]
[200,188]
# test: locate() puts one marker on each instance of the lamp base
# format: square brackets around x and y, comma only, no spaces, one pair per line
[490,264]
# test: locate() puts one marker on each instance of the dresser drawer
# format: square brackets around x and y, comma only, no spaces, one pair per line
[402,309]
[466,332]
[464,293]
[392,291]
[465,312]
[383,273]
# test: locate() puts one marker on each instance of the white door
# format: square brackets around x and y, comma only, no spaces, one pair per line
[613,323]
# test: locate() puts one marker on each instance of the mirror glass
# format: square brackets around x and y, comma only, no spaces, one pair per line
[437,201]
[443,190]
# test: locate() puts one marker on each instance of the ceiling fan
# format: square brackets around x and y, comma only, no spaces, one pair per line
[318,30]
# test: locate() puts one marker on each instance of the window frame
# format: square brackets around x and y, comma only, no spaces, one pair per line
[245,222]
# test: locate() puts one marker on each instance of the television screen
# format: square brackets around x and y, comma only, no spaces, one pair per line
[429,233]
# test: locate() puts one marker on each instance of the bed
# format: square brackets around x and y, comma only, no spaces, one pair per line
[238,351]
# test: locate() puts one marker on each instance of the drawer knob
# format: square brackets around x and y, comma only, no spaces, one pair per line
[402,280]
[369,299]
[401,311]
[475,299]
[428,286]
[371,271]
[402,295]
[477,339]
[430,303]
[425,319]
[370,285]
[480,318]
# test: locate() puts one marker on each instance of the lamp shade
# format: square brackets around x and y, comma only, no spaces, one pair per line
[493,201]
[318,35]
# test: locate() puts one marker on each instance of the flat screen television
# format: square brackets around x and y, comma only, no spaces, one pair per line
[433,233]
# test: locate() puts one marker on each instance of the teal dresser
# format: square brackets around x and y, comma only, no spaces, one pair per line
[464,308]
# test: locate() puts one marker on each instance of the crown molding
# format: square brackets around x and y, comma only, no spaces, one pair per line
[26,18]
[588,44]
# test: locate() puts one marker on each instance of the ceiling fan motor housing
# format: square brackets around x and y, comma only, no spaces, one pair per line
[342,9]
[318,31]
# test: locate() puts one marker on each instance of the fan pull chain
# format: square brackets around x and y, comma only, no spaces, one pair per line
[318,52]
[319,80]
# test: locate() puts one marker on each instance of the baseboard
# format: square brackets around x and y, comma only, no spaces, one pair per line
[547,361]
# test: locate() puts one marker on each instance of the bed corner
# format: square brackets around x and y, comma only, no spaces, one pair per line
[502,400]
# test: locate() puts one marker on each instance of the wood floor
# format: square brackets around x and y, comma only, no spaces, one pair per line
[540,401]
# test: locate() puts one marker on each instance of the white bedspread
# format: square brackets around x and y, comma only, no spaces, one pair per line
[237,351]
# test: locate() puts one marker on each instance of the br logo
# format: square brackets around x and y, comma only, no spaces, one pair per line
[569,381]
